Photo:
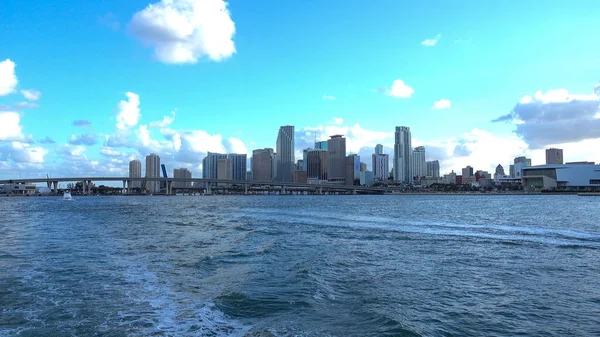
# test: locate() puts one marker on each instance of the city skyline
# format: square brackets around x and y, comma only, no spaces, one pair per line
[92,114]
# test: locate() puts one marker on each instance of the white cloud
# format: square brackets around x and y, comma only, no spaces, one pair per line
[8,78]
[31,94]
[166,121]
[128,111]
[431,42]
[237,146]
[184,31]
[109,152]
[442,104]
[25,105]
[25,153]
[400,89]
[10,126]
[328,97]
[338,120]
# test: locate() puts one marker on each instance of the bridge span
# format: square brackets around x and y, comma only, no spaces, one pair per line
[207,183]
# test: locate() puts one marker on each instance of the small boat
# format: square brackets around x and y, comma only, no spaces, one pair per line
[67,196]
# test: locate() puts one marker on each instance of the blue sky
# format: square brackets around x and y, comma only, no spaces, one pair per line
[233,76]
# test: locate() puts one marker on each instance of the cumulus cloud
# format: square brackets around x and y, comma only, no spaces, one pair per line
[338,120]
[109,152]
[166,121]
[8,78]
[82,123]
[235,145]
[10,126]
[431,42]
[20,152]
[555,117]
[128,111]
[184,31]
[83,139]
[31,94]
[328,97]
[399,89]
[72,152]
[442,104]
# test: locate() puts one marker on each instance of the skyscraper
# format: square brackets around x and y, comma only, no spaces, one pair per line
[135,171]
[380,166]
[336,146]
[402,155]
[378,149]
[554,156]
[209,165]
[317,162]
[322,145]
[352,169]
[285,153]
[418,162]
[262,165]
[433,169]
[153,171]
[238,165]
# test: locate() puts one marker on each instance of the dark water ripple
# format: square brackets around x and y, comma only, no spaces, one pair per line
[300,266]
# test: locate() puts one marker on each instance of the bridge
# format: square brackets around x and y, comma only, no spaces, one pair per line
[208,184]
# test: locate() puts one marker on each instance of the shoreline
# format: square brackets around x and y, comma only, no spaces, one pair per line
[325,195]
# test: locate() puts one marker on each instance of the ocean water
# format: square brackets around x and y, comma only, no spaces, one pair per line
[399,265]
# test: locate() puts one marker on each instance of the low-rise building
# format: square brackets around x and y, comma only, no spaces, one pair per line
[18,189]
[562,176]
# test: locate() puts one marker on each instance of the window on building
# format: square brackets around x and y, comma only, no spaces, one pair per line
[594,181]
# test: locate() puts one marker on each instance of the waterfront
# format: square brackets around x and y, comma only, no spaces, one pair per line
[300,265]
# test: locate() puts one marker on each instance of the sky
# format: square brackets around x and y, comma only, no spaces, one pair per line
[87,86]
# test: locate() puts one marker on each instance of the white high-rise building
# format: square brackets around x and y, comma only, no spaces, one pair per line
[380,164]
[419,168]
[285,153]
[135,171]
[433,169]
[402,155]
[153,171]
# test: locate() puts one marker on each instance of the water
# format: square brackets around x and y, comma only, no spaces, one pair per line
[300,266]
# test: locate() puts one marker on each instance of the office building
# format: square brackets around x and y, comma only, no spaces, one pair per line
[263,165]
[300,177]
[378,149]
[467,176]
[300,165]
[363,166]
[380,166]
[352,170]
[182,173]
[419,168]
[366,178]
[238,166]
[402,155]
[322,145]
[450,178]
[519,164]
[209,165]
[135,171]
[304,154]
[317,164]
[224,169]
[554,156]
[153,171]
[336,146]
[285,153]
[433,168]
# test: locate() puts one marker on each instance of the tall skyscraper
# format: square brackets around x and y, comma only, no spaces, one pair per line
[418,162]
[238,165]
[380,166]
[352,170]
[209,165]
[317,163]
[285,153]
[433,169]
[554,156]
[378,149]
[336,146]
[262,165]
[225,169]
[182,173]
[153,171]
[135,171]
[403,155]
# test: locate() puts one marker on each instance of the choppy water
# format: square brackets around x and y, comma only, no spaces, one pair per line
[300,266]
